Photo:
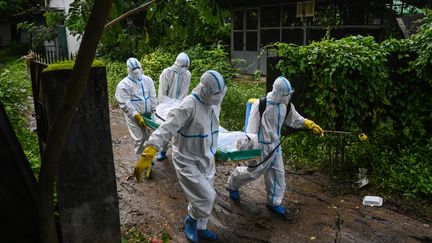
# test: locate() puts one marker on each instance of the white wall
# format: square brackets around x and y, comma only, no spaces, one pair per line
[59,4]
[72,42]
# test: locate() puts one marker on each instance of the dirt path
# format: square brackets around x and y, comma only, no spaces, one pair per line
[159,204]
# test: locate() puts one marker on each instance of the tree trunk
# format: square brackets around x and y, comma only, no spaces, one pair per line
[56,138]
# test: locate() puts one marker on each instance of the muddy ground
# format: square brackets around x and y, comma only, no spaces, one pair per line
[312,203]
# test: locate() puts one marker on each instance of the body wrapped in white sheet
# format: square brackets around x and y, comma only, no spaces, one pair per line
[227,141]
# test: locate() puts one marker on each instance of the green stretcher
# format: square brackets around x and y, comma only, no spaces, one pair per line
[222,155]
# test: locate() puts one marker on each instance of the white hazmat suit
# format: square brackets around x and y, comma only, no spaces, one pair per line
[194,127]
[174,83]
[136,94]
[268,129]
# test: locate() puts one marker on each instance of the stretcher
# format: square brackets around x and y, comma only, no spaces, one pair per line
[221,154]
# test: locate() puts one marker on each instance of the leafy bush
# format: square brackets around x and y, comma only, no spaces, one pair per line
[356,84]
[15,90]
[205,58]
[155,62]
[15,87]
[341,82]
[116,71]
[234,104]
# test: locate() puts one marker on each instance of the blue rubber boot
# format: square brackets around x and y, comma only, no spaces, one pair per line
[278,209]
[191,229]
[234,195]
[207,234]
[161,156]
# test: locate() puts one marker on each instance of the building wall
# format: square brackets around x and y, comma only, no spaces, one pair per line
[25,37]
[5,34]
[72,41]
[258,23]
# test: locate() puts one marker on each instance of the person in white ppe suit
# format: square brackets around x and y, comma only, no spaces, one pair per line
[268,129]
[194,127]
[174,83]
[136,96]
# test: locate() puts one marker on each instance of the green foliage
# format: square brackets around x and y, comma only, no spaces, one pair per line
[234,104]
[257,75]
[175,23]
[154,63]
[213,57]
[166,23]
[356,84]
[43,32]
[423,46]
[341,82]
[79,13]
[116,71]
[134,235]
[15,90]
[9,8]
[12,51]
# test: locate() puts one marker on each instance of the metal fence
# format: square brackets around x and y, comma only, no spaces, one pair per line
[52,56]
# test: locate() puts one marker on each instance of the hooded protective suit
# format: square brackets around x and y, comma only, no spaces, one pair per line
[136,94]
[268,129]
[194,125]
[174,81]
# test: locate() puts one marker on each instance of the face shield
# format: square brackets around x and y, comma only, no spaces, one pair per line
[282,90]
[211,88]
[217,98]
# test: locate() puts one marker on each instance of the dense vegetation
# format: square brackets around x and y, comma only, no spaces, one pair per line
[15,95]
[356,84]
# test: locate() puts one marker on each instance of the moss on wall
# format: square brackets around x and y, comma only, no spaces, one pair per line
[68,65]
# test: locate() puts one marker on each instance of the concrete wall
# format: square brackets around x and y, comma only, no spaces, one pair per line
[86,182]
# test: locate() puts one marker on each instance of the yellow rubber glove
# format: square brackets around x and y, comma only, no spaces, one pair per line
[363,137]
[145,163]
[317,130]
[140,120]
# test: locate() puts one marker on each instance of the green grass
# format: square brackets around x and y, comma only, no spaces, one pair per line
[15,95]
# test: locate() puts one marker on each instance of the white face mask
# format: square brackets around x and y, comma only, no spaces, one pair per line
[135,74]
